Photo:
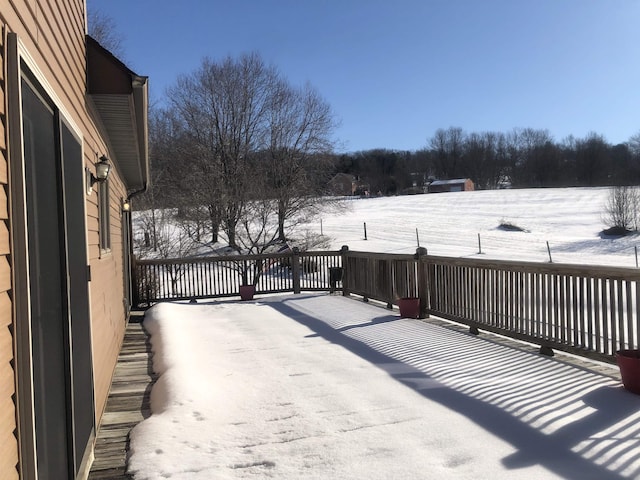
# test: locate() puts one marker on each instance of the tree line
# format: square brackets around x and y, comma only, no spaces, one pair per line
[523,157]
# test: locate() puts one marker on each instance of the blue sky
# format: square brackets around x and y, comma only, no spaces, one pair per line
[394,71]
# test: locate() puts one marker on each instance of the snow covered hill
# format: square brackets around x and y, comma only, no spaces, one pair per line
[448,224]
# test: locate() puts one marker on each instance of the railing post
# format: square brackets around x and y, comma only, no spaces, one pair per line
[344,251]
[423,281]
[135,293]
[295,269]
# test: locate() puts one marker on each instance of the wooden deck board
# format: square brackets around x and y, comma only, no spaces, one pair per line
[127,405]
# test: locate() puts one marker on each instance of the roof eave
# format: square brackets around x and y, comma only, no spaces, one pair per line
[121,98]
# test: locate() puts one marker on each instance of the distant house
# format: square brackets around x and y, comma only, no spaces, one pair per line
[73,153]
[455,185]
[342,184]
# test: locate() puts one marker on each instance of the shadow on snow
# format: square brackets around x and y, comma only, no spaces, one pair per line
[482,380]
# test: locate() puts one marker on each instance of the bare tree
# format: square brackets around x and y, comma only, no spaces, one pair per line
[447,147]
[484,159]
[299,126]
[242,134]
[634,149]
[166,189]
[535,158]
[103,29]
[634,144]
[621,209]
[224,107]
[592,159]
[170,240]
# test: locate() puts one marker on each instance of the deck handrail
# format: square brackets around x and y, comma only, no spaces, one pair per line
[583,309]
[190,278]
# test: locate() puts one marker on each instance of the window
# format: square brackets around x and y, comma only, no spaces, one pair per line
[103,216]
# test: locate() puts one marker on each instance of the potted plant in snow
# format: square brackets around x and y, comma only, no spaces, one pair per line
[629,363]
[257,234]
[249,274]
[247,292]
[409,307]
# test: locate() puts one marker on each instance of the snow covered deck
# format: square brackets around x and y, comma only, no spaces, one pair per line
[320,386]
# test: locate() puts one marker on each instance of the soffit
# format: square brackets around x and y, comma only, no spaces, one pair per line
[121,99]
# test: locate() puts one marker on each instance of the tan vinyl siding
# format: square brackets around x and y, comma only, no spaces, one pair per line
[8,440]
[106,294]
[4,238]
[5,274]
[9,450]
[4,207]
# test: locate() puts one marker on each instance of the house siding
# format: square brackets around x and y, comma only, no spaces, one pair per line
[8,439]
[107,292]
[53,34]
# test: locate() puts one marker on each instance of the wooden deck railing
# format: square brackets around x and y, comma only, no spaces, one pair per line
[591,311]
[210,277]
[588,310]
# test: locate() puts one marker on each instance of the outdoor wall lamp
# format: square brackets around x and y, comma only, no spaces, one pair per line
[103,167]
[126,206]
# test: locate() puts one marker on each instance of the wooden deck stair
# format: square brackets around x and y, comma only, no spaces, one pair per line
[128,404]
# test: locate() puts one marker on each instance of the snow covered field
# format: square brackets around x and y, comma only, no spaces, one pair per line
[448,224]
[326,387]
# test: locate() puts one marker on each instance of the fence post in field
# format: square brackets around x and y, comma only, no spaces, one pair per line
[345,274]
[295,269]
[423,281]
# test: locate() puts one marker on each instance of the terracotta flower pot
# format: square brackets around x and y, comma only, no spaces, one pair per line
[409,307]
[629,364]
[247,292]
